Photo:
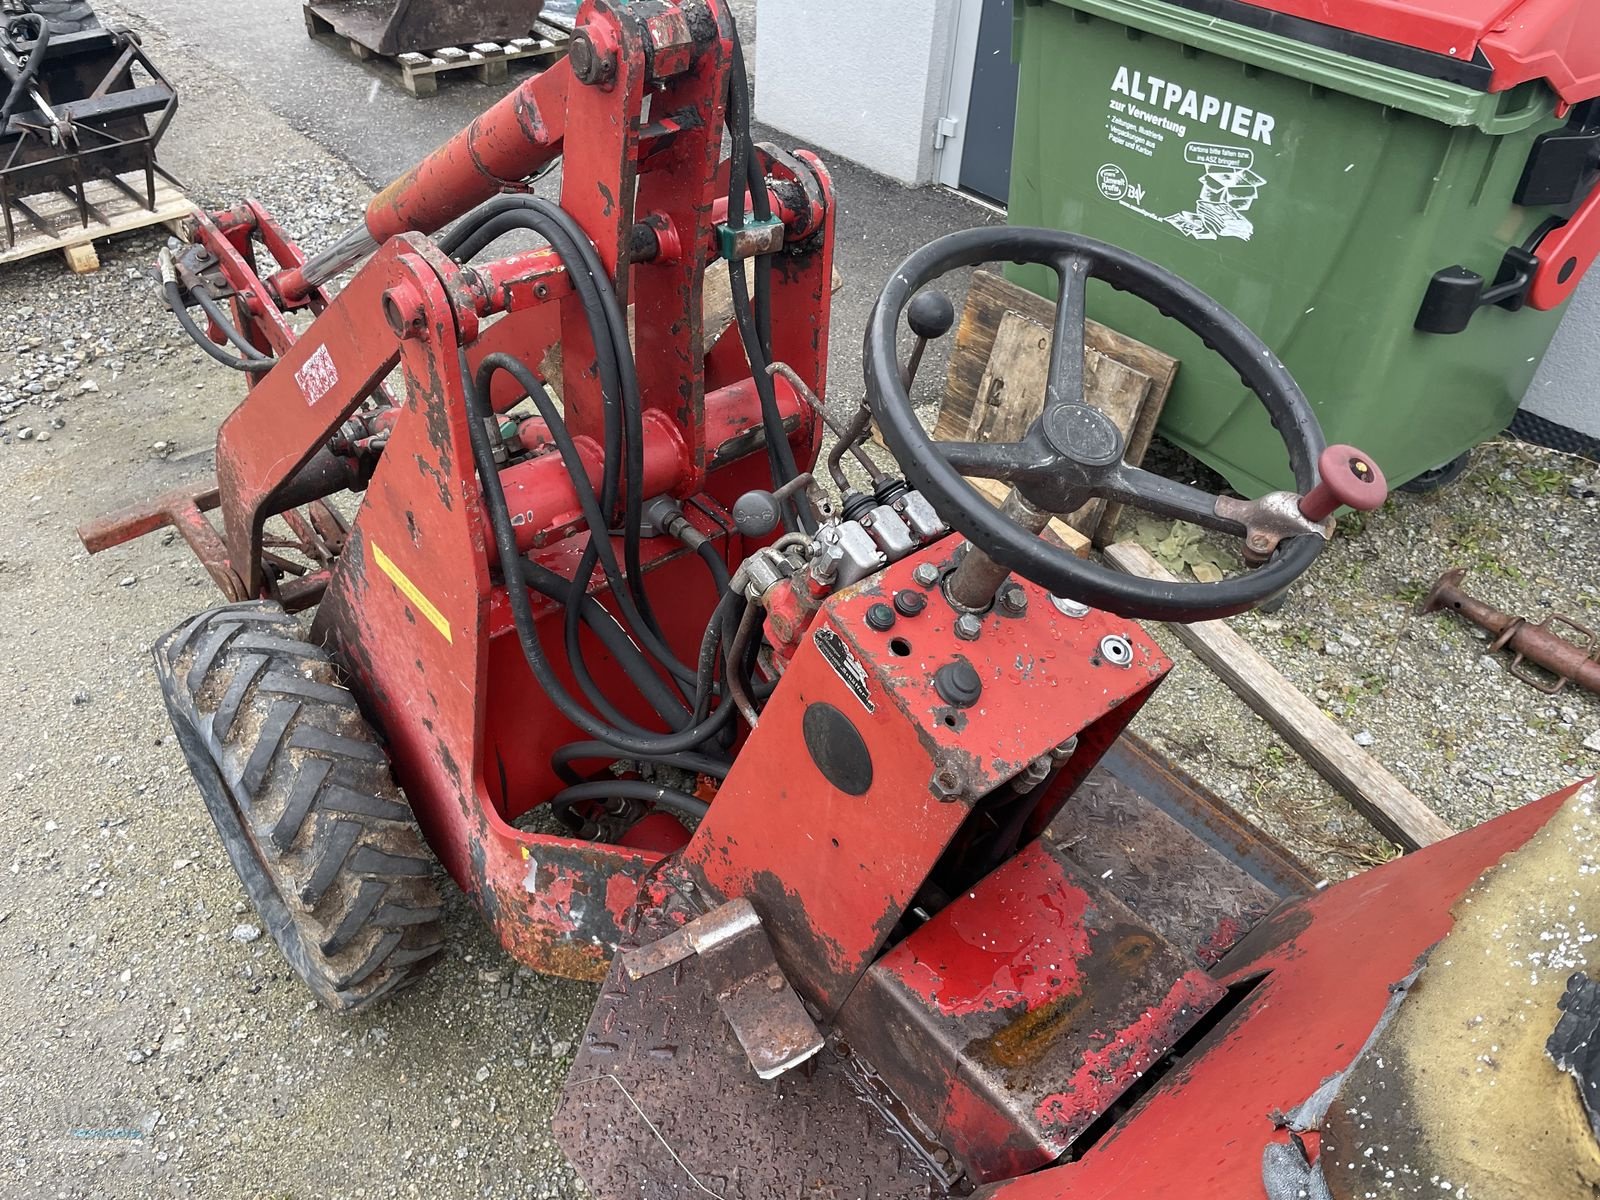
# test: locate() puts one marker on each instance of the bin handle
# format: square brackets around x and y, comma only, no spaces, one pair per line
[1536,106]
[1565,253]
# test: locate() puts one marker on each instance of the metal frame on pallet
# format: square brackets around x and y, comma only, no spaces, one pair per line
[103,132]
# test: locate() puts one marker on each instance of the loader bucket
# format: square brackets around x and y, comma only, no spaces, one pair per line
[392,27]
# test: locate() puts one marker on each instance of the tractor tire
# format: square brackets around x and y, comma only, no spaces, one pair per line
[300,789]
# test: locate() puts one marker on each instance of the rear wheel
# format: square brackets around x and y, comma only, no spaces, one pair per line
[300,790]
[1438,477]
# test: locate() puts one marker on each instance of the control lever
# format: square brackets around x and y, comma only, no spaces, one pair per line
[930,316]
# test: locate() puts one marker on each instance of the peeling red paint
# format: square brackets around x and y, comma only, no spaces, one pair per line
[1126,1054]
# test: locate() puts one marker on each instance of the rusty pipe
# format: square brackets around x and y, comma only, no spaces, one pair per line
[1564,659]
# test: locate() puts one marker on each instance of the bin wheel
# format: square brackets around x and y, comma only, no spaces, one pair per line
[1432,481]
[300,790]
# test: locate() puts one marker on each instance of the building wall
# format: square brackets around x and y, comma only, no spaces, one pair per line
[863,81]
[1567,388]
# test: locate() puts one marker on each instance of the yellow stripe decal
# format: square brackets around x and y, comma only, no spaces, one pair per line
[412,592]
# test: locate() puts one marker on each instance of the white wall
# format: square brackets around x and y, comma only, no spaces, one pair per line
[861,80]
[1567,388]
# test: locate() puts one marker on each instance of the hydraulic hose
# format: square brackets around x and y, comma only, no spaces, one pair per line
[754,320]
[700,764]
[173,291]
[617,643]
[609,332]
[522,609]
[678,803]
[222,321]
[599,537]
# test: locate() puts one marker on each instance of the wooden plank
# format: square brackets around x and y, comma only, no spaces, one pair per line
[1354,773]
[1125,378]
[82,260]
[112,211]
[717,298]
[989,299]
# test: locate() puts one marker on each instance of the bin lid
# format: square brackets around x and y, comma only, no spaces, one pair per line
[1497,44]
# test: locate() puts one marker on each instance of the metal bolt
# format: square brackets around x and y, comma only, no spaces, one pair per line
[968,627]
[1069,608]
[926,574]
[945,784]
[1066,749]
[1013,600]
[1032,775]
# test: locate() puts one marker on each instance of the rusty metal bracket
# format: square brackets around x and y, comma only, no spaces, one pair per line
[1268,521]
[742,974]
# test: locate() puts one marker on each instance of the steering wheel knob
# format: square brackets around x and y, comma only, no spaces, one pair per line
[930,314]
[1347,478]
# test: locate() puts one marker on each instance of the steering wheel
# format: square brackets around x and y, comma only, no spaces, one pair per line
[1074,452]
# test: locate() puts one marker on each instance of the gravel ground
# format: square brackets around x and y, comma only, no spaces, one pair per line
[157,1047]
[1417,691]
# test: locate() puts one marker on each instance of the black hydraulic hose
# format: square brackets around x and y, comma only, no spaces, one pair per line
[719,569]
[744,178]
[699,764]
[498,217]
[680,804]
[617,643]
[469,238]
[505,537]
[174,296]
[222,321]
[599,537]
[494,220]
[30,69]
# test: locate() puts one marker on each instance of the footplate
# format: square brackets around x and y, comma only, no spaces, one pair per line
[661,1102]
[763,1009]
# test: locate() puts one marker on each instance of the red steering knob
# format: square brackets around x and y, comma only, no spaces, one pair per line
[1347,478]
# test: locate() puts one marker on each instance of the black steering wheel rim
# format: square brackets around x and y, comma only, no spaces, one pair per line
[969,512]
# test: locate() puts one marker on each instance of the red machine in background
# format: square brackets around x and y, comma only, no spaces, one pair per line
[842,775]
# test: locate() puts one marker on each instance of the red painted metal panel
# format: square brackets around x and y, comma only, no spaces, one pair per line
[1036,1000]
[831,872]
[1331,959]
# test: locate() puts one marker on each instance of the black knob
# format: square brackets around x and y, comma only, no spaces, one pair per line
[930,314]
[757,514]
[909,603]
[958,684]
[881,617]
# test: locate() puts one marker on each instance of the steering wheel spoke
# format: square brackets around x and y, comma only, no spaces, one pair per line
[1006,462]
[1065,384]
[1165,497]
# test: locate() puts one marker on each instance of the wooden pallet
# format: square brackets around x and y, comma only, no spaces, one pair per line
[113,208]
[487,62]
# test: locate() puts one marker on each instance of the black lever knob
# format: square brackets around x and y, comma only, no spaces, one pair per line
[930,314]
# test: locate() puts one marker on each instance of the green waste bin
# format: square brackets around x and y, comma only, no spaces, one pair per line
[1351,197]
